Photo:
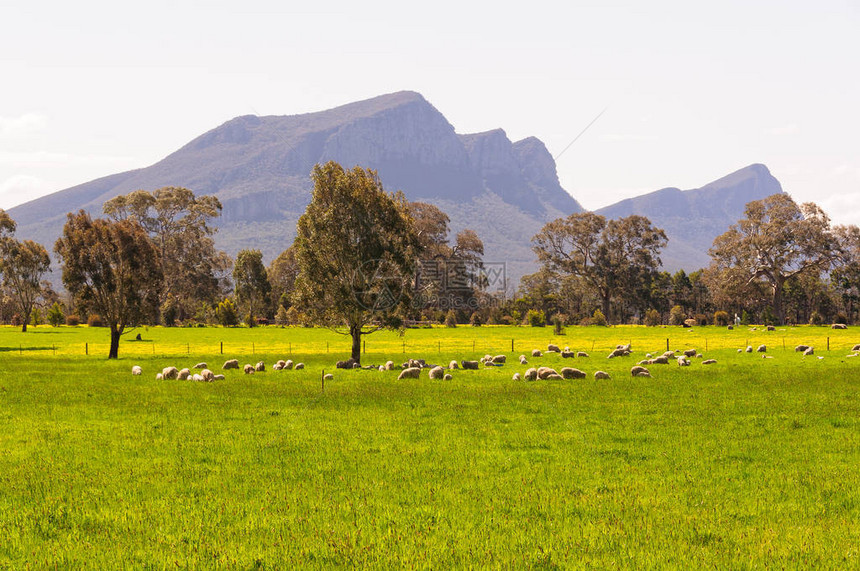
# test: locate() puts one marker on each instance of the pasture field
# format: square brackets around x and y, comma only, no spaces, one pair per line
[748,463]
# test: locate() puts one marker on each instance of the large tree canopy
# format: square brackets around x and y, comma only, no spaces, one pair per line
[179,225]
[112,268]
[610,257]
[356,250]
[774,242]
[22,265]
[251,283]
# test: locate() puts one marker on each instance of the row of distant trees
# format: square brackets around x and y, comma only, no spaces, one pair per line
[365,259]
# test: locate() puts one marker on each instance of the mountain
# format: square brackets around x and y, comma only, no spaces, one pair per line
[693,218]
[259,168]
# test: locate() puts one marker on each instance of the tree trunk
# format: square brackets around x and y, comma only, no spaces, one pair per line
[605,299]
[778,309]
[115,333]
[24,327]
[355,332]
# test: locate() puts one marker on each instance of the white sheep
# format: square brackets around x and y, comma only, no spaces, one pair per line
[136,370]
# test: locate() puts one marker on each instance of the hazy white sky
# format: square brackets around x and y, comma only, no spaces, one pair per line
[693,91]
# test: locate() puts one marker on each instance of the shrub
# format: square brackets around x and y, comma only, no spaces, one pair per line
[35,316]
[95,320]
[652,318]
[226,313]
[558,322]
[677,316]
[815,318]
[169,312]
[73,320]
[451,318]
[840,318]
[701,319]
[721,318]
[516,317]
[55,315]
[282,318]
[294,316]
[536,318]
[475,320]
[745,318]
[598,318]
[767,316]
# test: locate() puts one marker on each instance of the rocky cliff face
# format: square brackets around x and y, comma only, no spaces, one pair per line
[693,218]
[259,167]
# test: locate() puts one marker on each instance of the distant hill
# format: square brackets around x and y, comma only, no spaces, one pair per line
[693,218]
[259,168]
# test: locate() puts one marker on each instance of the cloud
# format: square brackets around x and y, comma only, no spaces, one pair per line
[19,189]
[27,124]
[783,130]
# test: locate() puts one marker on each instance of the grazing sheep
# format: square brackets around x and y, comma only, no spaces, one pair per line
[761,349]
[643,374]
[536,353]
[328,377]
[838,326]
[218,377]
[169,373]
[249,369]
[801,348]
[645,362]
[581,354]
[389,365]
[748,349]
[448,377]
[545,373]
[771,328]
[554,377]
[730,327]
[516,377]
[207,375]
[436,373]
[231,364]
[184,374]
[699,356]
[409,373]
[345,364]
[196,377]
[690,353]
[669,354]
[709,361]
[661,360]
[159,377]
[531,374]
[683,362]
[453,365]
[571,373]
[552,348]
[618,353]
[809,351]
[299,366]
[201,366]
[473,365]
[568,354]
[288,364]
[136,370]
[601,375]
[277,367]
[637,369]
[856,348]
[499,359]
[523,360]
[281,362]
[260,367]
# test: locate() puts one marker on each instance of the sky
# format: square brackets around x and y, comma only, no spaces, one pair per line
[688,91]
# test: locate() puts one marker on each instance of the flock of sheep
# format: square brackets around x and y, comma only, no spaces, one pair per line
[412,368]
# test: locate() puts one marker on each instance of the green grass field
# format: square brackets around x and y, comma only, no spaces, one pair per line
[749,463]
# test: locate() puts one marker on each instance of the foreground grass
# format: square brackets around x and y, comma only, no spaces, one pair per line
[749,463]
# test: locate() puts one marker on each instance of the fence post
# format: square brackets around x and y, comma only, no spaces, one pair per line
[667,343]
[86,348]
[222,347]
[828,343]
[322,381]
[512,345]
